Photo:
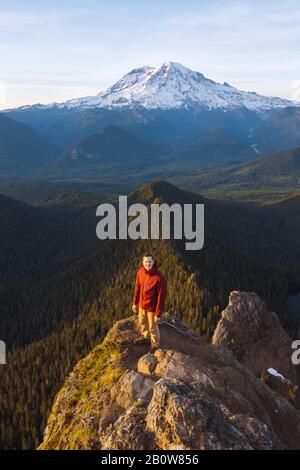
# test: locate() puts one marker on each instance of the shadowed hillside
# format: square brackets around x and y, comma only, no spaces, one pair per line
[21,147]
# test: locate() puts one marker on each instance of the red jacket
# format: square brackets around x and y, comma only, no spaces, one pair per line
[150,290]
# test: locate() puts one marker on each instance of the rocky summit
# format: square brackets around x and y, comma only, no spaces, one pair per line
[254,336]
[238,392]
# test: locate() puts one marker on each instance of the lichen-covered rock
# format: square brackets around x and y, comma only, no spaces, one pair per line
[128,432]
[131,387]
[184,417]
[146,364]
[187,395]
[176,365]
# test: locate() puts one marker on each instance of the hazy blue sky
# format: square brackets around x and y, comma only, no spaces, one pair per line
[56,50]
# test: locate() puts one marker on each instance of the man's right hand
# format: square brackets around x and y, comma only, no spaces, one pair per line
[134,309]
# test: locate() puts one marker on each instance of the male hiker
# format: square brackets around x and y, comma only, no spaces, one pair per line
[148,301]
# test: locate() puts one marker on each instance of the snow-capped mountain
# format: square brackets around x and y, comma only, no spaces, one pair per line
[169,104]
[173,86]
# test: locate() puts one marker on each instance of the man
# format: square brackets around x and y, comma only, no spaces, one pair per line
[148,301]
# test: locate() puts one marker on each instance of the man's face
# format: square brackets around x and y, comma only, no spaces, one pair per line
[148,262]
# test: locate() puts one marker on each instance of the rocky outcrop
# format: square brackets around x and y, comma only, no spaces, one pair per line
[283,386]
[254,335]
[187,395]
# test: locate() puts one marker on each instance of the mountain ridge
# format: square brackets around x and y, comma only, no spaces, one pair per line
[275,173]
[187,395]
[57,322]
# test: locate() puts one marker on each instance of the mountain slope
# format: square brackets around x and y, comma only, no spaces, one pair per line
[44,193]
[20,147]
[187,395]
[280,130]
[112,146]
[214,146]
[63,126]
[275,175]
[50,325]
[37,242]
[231,234]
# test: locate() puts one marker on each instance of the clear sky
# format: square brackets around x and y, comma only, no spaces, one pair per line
[56,50]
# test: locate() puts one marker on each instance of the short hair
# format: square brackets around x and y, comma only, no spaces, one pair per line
[148,255]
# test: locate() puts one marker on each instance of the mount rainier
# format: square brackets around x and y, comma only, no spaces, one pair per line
[193,116]
[173,86]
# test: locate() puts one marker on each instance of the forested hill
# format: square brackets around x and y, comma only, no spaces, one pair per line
[37,242]
[50,325]
[22,148]
[268,177]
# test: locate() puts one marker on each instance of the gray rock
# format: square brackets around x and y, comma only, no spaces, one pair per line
[130,388]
